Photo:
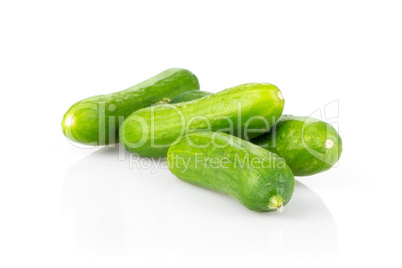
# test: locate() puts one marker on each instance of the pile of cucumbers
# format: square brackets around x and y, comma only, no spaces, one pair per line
[235,141]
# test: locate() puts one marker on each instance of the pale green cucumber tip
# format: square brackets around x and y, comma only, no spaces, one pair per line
[67,123]
[276,202]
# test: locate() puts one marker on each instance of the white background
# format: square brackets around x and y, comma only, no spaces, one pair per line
[64,206]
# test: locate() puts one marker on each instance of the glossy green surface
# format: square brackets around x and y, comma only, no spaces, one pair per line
[96,120]
[245,111]
[259,179]
[190,95]
[308,145]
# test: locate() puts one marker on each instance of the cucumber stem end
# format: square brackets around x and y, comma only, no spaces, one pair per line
[276,202]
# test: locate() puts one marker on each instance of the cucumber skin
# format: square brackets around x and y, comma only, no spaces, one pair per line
[252,186]
[264,100]
[86,113]
[287,142]
[190,96]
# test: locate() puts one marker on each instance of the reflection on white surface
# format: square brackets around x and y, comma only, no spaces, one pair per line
[112,209]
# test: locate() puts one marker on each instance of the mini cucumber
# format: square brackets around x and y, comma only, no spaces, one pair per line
[96,120]
[308,145]
[190,95]
[259,179]
[245,111]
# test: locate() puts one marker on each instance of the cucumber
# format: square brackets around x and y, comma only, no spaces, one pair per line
[259,179]
[245,111]
[190,95]
[96,120]
[308,145]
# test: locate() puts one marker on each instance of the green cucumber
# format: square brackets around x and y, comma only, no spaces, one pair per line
[190,95]
[308,145]
[245,111]
[259,179]
[96,120]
